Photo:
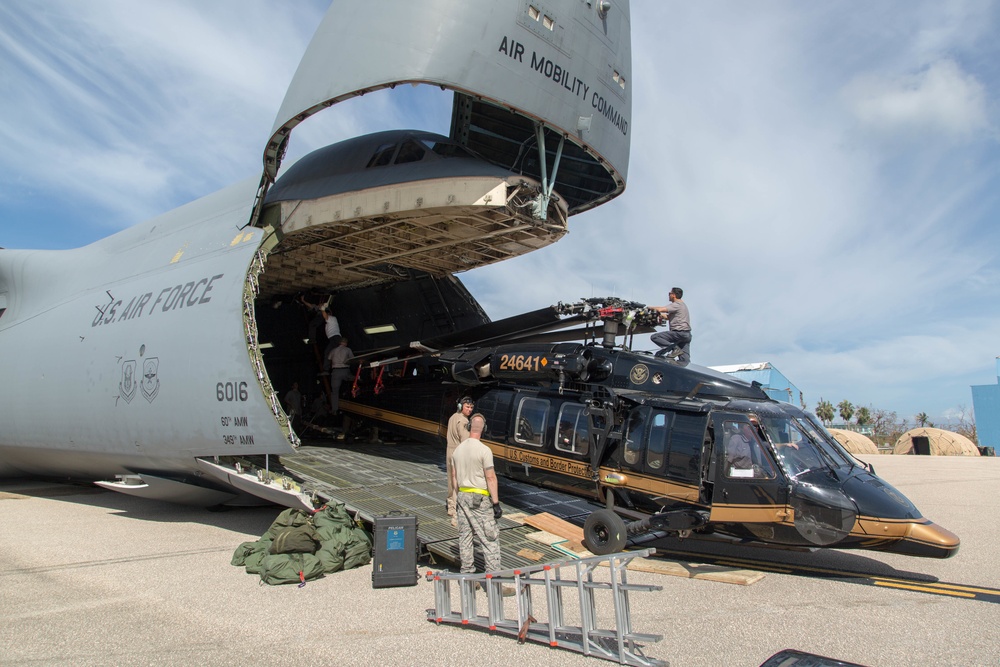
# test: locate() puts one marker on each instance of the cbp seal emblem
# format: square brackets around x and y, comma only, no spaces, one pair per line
[639,374]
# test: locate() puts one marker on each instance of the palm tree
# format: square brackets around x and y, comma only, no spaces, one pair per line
[864,416]
[921,419]
[824,410]
[846,409]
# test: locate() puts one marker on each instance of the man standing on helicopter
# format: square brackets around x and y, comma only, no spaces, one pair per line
[679,335]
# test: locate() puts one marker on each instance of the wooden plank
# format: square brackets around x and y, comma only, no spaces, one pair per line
[695,571]
[545,537]
[530,554]
[556,526]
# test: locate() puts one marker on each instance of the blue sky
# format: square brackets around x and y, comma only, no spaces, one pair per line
[823,179]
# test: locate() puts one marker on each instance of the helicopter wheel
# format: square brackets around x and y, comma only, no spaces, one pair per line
[604,532]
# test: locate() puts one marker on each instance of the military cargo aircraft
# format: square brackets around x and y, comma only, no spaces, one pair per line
[155,342]
[666,448]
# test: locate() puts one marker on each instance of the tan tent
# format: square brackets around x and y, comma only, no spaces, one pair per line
[854,442]
[934,441]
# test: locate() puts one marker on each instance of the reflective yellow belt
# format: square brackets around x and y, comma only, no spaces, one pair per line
[469,489]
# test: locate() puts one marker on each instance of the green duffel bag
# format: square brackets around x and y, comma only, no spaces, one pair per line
[332,516]
[247,548]
[252,562]
[290,518]
[240,555]
[334,538]
[290,568]
[358,551]
[298,540]
[332,558]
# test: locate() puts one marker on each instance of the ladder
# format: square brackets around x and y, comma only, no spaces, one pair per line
[556,580]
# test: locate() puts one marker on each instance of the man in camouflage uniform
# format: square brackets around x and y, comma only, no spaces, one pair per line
[458,431]
[478,504]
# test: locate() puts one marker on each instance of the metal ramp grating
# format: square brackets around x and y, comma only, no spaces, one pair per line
[374,480]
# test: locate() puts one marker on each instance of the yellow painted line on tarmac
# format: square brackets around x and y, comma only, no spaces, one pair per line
[980,593]
[968,589]
[923,589]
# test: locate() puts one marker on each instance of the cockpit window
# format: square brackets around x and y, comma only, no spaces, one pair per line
[410,151]
[831,447]
[573,434]
[447,150]
[382,155]
[744,455]
[801,445]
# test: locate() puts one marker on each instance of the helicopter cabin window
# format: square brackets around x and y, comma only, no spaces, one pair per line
[532,421]
[573,434]
[410,151]
[744,455]
[635,432]
[687,440]
[382,156]
[664,442]
[656,452]
[495,407]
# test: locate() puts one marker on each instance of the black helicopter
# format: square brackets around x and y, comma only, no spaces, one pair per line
[666,448]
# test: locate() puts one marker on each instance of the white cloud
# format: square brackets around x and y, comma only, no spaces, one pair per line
[939,100]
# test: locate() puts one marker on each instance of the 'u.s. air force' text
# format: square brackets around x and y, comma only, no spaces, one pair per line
[188,295]
[562,76]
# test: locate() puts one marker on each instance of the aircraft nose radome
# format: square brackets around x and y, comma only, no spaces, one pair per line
[936,535]
[929,540]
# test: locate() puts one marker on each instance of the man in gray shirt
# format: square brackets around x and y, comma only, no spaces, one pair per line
[679,335]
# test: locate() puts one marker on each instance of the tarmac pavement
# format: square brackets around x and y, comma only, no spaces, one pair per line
[91,577]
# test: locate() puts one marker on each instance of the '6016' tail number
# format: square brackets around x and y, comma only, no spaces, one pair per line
[231,391]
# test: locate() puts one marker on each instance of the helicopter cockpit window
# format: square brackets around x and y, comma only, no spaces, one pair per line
[800,446]
[382,156]
[573,434]
[635,431]
[532,421]
[744,454]
[410,151]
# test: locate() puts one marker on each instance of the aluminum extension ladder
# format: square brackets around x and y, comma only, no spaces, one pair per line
[619,644]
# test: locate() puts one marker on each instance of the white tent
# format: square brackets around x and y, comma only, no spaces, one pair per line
[934,441]
[854,442]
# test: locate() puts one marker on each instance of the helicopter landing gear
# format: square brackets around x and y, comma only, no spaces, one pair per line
[604,533]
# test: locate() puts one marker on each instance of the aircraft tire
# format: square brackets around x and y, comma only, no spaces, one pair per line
[604,533]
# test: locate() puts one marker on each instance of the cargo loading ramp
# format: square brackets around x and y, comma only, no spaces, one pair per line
[376,479]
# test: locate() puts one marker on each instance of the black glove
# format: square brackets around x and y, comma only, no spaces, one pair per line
[497,511]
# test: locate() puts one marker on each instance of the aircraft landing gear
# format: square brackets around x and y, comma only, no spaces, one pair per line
[604,533]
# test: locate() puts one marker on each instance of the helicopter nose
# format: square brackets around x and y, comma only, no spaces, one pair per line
[927,539]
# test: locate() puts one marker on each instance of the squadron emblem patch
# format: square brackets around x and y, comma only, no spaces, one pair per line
[126,388]
[150,382]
